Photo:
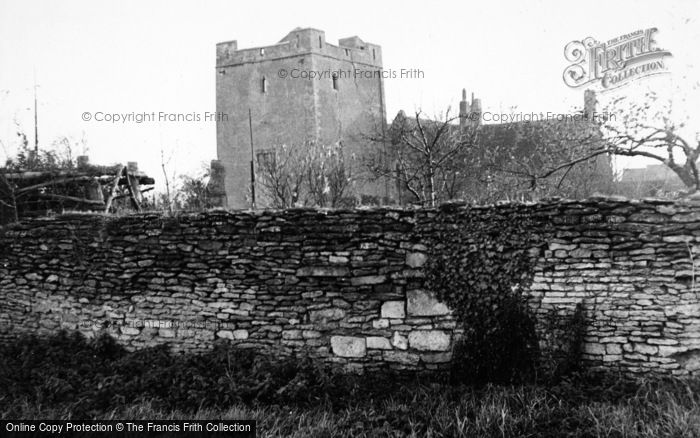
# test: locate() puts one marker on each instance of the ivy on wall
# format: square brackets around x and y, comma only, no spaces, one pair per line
[481,262]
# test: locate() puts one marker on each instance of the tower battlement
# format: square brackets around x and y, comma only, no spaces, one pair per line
[301,42]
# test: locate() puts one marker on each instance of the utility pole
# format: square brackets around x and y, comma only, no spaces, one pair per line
[252,158]
[36,123]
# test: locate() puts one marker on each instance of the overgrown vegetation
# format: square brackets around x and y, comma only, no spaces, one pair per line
[479,268]
[66,376]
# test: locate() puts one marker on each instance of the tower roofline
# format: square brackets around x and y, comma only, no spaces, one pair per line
[301,42]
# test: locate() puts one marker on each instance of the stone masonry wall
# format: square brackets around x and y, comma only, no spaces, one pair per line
[347,286]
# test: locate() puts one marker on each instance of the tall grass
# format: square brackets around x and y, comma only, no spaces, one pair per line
[585,406]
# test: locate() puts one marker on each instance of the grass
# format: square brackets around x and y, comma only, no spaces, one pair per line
[300,399]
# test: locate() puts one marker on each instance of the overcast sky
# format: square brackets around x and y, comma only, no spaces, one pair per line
[144,56]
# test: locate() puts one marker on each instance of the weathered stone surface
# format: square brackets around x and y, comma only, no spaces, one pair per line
[436,357]
[424,303]
[399,341]
[393,309]
[684,309]
[323,271]
[240,334]
[416,259]
[596,349]
[232,334]
[132,331]
[166,333]
[325,315]
[380,323]
[290,281]
[291,334]
[225,334]
[429,340]
[368,279]
[402,357]
[378,343]
[348,346]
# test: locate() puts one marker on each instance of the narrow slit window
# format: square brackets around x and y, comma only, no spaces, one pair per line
[374,54]
[263,85]
[320,42]
[335,81]
[347,52]
[262,52]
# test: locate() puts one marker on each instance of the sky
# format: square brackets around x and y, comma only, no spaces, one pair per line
[152,55]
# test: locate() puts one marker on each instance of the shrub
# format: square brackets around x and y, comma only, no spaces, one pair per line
[98,375]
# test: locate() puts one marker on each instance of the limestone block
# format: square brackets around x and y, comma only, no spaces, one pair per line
[596,349]
[436,357]
[311,334]
[348,346]
[402,357]
[614,349]
[323,271]
[291,334]
[399,341]
[368,279]
[166,333]
[338,259]
[558,246]
[646,349]
[684,310]
[416,259]
[424,303]
[232,334]
[225,334]
[393,309]
[581,253]
[323,316]
[133,331]
[378,343]
[380,323]
[240,334]
[429,340]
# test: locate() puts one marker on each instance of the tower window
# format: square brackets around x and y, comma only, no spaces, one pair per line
[263,85]
[374,54]
[347,52]
[320,42]
[262,52]
[335,81]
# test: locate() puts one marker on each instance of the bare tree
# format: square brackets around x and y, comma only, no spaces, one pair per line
[281,174]
[546,157]
[305,175]
[329,176]
[438,160]
[648,129]
[428,158]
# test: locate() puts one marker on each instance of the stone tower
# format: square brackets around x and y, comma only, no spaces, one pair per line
[300,90]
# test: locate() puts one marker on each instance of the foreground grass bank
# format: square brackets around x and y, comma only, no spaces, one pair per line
[66,377]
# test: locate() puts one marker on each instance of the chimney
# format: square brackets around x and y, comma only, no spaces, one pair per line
[463,109]
[475,109]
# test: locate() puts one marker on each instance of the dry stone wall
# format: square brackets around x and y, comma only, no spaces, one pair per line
[347,287]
